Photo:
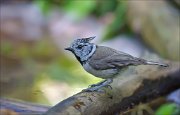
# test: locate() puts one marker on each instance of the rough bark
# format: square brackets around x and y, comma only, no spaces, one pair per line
[136,85]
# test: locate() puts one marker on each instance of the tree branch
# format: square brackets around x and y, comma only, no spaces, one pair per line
[136,85]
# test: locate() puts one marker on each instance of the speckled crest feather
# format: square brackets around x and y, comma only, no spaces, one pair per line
[83,49]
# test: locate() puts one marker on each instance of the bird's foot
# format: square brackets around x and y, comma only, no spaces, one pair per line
[91,89]
[108,86]
[97,84]
[97,87]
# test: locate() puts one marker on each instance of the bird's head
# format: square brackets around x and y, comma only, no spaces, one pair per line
[82,48]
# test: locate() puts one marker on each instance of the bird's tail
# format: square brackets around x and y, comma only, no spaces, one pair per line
[156,63]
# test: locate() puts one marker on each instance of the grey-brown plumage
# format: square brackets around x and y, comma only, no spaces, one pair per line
[103,62]
[107,62]
[107,58]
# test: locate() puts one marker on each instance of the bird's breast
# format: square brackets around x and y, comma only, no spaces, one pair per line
[108,73]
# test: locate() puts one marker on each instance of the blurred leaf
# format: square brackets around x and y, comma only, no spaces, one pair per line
[167,109]
[80,8]
[119,21]
[44,5]
[103,7]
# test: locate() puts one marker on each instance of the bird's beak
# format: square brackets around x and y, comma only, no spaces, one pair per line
[69,49]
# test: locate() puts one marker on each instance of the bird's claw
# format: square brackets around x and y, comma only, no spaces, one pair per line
[89,89]
[93,85]
[108,86]
[93,89]
[98,84]
[97,87]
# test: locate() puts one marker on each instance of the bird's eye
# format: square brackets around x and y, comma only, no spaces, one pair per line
[80,46]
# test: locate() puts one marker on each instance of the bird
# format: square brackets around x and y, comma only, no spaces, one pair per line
[103,62]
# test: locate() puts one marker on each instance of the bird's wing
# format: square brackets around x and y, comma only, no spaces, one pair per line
[108,58]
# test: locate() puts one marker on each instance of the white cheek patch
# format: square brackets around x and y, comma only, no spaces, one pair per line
[84,58]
